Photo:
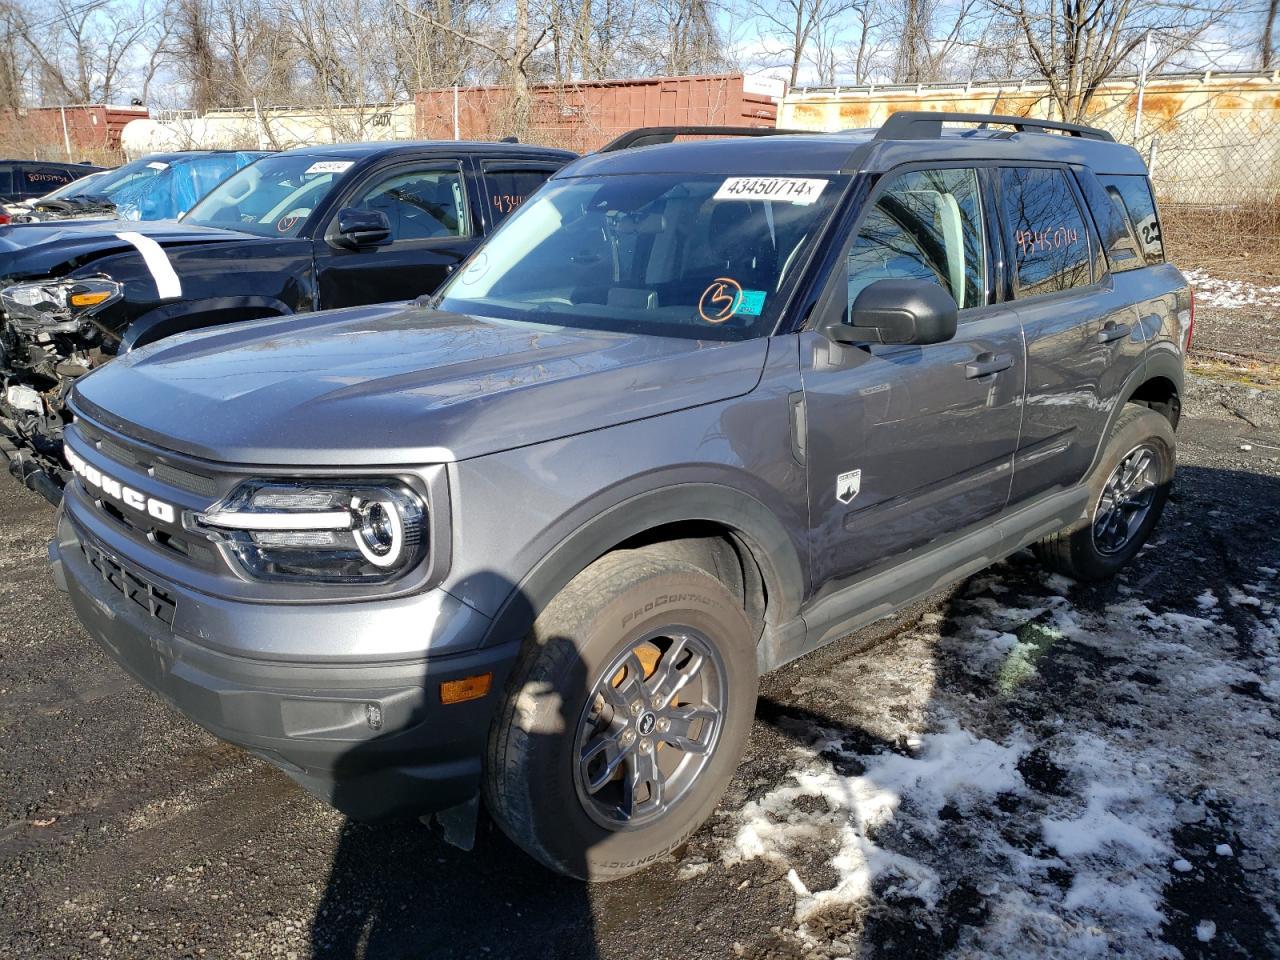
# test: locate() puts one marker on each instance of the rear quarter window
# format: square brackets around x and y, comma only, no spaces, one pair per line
[507,188]
[42,180]
[1133,197]
[1113,225]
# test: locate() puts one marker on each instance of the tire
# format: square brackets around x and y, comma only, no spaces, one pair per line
[1092,550]
[536,789]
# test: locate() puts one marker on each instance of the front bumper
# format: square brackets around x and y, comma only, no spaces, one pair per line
[372,738]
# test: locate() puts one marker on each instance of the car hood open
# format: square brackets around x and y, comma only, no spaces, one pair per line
[400,384]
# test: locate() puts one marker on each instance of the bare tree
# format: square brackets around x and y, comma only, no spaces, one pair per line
[1076,45]
[12,56]
[1267,46]
[930,37]
[194,53]
[80,49]
[511,43]
[796,23]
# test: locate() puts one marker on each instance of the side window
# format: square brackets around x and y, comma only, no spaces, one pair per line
[41,180]
[6,180]
[1044,230]
[420,204]
[506,189]
[1113,226]
[1132,194]
[927,225]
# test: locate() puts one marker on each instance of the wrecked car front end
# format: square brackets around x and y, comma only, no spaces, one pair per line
[52,335]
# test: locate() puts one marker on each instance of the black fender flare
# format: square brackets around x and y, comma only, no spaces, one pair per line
[183,315]
[1161,361]
[758,529]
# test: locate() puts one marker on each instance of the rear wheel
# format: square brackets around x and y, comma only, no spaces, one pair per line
[1127,494]
[626,716]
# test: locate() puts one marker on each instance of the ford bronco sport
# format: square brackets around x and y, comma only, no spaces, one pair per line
[696,409]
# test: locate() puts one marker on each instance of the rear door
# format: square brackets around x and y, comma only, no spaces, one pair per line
[432,230]
[907,444]
[1156,298]
[1083,334]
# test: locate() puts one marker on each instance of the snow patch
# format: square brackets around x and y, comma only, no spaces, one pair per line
[1231,294]
[951,766]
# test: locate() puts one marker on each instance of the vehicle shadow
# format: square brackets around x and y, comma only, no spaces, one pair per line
[397,888]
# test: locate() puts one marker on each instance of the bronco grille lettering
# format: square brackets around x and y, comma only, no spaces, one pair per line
[113,488]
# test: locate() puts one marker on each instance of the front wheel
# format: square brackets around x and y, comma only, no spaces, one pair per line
[625,718]
[1127,494]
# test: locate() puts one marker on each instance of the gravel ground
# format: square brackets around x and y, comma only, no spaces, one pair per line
[1022,766]
[1236,316]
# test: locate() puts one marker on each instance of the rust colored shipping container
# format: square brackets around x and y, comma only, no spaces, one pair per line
[586,115]
[82,132]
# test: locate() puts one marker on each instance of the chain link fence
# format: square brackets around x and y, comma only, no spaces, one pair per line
[1217,178]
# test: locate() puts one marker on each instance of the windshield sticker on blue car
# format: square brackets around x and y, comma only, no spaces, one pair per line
[752,304]
[801,190]
[158,165]
[721,300]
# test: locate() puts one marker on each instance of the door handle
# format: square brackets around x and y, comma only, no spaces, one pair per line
[986,364]
[1112,331]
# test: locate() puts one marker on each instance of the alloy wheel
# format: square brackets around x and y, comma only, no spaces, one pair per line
[1125,501]
[649,727]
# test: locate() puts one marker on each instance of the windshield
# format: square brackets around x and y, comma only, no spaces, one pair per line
[706,257]
[163,190]
[272,198]
[76,188]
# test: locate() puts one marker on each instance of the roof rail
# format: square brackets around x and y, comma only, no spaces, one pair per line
[648,136]
[926,125]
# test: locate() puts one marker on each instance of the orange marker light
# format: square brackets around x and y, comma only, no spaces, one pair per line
[468,688]
[89,299]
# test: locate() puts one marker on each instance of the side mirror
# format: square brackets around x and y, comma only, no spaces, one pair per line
[362,228]
[898,311]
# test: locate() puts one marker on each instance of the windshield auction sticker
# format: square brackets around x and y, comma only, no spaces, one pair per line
[783,189]
[329,166]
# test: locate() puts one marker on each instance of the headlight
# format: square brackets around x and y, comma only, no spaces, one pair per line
[57,306]
[320,532]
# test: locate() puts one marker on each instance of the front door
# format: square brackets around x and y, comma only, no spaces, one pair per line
[906,444]
[432,230]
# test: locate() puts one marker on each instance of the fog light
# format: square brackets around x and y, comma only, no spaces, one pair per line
[468,688]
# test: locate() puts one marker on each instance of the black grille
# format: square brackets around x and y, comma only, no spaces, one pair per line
[142,459]
[183,479]
[146,595]
[116,452]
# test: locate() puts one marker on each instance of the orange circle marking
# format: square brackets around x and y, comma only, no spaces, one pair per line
[721,300]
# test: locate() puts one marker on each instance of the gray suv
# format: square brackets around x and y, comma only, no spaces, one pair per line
[696,409]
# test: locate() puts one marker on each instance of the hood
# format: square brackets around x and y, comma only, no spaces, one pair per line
[398,384]
[51,248]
